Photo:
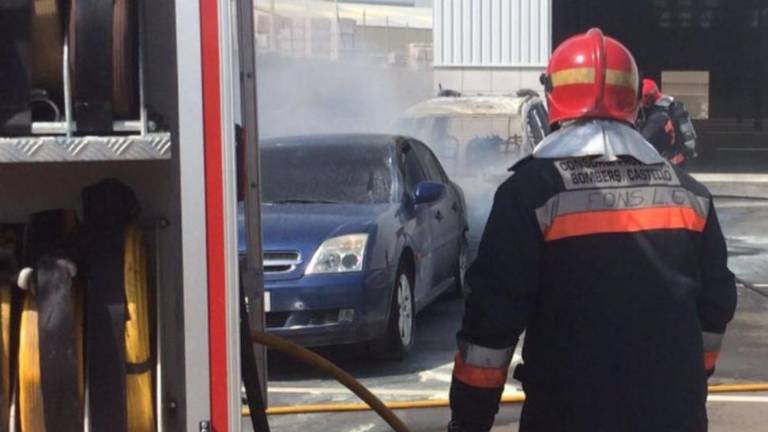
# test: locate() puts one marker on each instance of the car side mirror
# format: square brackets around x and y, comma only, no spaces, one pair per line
[428,192]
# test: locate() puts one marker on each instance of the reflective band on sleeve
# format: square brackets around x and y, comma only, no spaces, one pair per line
[669,127]
[624,221]
[677,159]
[478,377]
[482,357]
[710,360]
[712,341]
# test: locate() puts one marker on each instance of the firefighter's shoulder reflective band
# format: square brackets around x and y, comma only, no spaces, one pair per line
[619,197]
[483,367]
[624,221]
[479,356]
[615,210]
[712,343]
[583,173]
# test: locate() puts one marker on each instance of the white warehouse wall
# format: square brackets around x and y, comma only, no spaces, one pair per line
[491,46]
[504,33]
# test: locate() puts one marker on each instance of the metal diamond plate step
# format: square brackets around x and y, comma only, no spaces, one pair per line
[153,146]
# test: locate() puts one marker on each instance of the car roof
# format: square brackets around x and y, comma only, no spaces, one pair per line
[374,141]
[468,106]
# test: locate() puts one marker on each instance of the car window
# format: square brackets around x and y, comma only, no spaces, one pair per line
[487,144]
[413,172]
[315,172]
[431,165]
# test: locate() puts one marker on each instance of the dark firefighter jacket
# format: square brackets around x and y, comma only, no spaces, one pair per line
[661,130]
[617,272]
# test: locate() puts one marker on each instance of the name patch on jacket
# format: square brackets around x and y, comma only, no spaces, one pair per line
[619,197]
[586,173]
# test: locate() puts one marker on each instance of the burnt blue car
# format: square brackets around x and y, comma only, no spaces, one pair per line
[360,233]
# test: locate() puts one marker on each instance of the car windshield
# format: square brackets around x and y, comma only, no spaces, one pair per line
[321,173]
[464,143]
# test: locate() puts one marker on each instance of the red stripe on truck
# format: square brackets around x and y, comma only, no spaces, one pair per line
[214,212]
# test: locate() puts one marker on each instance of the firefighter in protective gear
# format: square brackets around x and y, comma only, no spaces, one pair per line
[666,124]
[611,259]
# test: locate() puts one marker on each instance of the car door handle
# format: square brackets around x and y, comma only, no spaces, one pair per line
[439,215]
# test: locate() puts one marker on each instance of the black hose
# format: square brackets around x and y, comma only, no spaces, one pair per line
[256,405]
[308,357]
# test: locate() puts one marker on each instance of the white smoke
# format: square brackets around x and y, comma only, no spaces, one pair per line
[305,96]
[299,96]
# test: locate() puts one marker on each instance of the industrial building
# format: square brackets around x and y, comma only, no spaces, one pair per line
[491,46]
[391,32]
[709,53]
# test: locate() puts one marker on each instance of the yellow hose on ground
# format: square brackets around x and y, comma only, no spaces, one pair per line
[738,388]
[444,403]
[318,362]
[138,383]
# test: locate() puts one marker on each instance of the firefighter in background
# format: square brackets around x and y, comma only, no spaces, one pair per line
[608,257]
[667,125]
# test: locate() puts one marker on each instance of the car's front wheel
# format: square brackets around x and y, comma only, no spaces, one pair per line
[401,329]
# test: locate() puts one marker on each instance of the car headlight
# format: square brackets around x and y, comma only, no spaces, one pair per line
[341,254]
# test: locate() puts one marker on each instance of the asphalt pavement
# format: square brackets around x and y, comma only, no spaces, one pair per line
[426,375]
[741,199]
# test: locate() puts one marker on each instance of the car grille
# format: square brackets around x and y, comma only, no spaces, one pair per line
[302,318]
[277,319]
[281,262]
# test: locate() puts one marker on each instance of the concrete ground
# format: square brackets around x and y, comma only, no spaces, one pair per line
[427,371]
[426,374]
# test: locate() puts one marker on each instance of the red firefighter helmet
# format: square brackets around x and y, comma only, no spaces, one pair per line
[651,92]
[592,76]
